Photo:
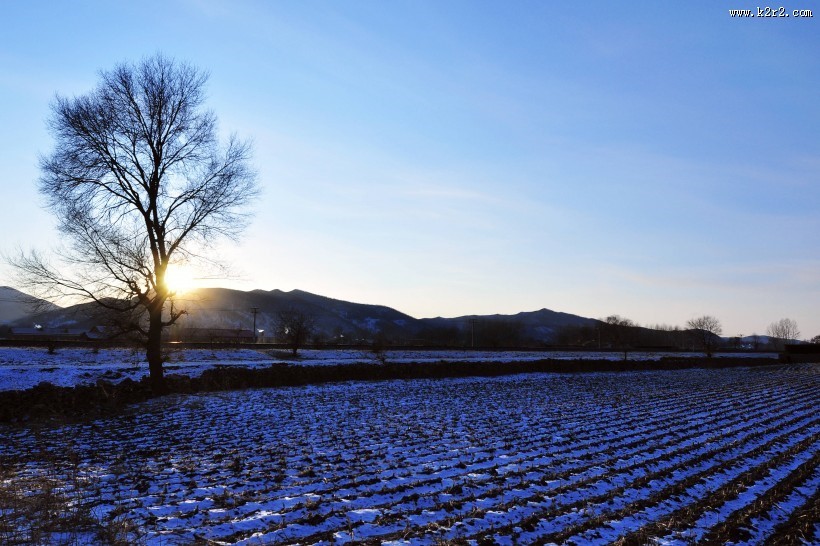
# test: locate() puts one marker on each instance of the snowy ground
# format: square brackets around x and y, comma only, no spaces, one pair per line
[665,457]
[22,368]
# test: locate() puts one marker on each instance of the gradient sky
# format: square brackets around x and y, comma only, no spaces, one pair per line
[658,160]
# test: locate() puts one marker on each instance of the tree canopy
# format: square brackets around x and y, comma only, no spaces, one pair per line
[138,181]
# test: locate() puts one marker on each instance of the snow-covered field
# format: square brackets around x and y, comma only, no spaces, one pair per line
[23,368]
[666,457]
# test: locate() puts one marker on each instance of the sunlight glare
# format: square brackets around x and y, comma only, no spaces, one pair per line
[181,279]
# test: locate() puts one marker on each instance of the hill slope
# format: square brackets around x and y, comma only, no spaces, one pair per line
[340,321]
[334,319]
[17,306]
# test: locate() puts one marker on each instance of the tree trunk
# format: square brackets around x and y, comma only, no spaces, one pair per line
[154,351]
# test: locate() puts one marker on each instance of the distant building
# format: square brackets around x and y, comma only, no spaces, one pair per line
[215,335]
[48,334]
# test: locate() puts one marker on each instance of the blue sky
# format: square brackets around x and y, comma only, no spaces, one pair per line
[657,160]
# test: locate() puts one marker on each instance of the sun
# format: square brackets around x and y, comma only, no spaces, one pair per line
[181,279]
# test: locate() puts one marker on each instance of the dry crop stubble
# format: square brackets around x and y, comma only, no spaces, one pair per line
[591,457]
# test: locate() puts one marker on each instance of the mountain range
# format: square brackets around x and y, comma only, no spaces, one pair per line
[16,306]
[334,320]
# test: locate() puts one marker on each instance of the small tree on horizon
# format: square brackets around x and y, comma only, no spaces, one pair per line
[294,328]
[138,181]
[781,332]
[706,331]
[618,332]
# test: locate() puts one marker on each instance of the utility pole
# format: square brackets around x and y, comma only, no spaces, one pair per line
[472,332]
[254,310]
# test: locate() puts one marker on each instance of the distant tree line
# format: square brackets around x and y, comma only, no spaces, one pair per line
[701,333]
[614,333]
[295,329]
[621,334]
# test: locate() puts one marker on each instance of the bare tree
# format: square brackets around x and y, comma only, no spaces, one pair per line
[618,332]
[138,181]
[706,331]
[294,328]
[782,332]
